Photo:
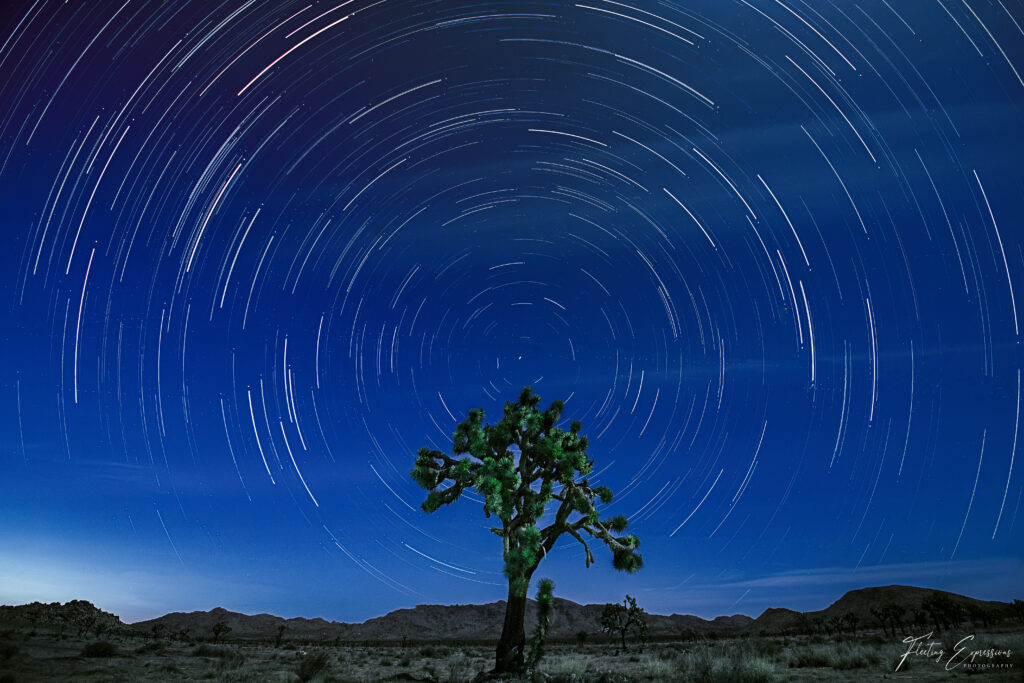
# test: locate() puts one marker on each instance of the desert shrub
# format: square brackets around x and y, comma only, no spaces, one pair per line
[576,669]
[658,669]
[856,657]
[406,660]
[227,655]
[592,677]
[667,654]
[458,669]
[737,664]
[809,658]
[766,647]
[428,652]
[755,670]
[845,657]
[101,648]
[153,646]
[8,650]
[313,664]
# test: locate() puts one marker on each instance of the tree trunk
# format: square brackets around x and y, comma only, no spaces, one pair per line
[509,654]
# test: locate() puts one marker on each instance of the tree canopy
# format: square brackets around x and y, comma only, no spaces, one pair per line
[519,465]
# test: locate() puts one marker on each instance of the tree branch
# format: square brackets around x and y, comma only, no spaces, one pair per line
[590,556]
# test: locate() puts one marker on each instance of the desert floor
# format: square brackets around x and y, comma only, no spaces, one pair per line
[32,656]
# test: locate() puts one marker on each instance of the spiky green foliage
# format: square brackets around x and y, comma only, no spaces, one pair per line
[520,465]
[545,606]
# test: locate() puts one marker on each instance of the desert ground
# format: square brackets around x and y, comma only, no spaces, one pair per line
[33,655]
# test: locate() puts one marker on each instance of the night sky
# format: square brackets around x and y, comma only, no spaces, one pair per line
[255,254]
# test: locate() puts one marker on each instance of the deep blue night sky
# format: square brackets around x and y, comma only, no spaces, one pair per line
[256,253]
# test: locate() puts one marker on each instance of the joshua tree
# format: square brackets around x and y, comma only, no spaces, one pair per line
[618,618]
[943,610]
[85,623]
[882,618]
[281,628]
[219,629]
[851,620]
[519,465]
[1018,609]
[890,615]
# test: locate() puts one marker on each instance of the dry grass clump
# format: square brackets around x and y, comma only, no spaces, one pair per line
[733,663]
[313,664]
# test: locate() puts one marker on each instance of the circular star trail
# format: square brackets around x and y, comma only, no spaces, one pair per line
[770,254]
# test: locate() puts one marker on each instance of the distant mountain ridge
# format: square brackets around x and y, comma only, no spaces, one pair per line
[430,622]
[483,622]
[860,602]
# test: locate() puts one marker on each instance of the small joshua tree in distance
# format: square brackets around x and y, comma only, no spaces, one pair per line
[619,619]
[219,629]
[519,465]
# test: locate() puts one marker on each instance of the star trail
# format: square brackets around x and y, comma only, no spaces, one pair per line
[256,253]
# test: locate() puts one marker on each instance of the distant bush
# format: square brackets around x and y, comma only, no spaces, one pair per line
[228,655]
[854,657]
[751,671]
[313,664]
[810,659]
[154,646]
[101,648]
[766,647]
[845,657]
[737,665]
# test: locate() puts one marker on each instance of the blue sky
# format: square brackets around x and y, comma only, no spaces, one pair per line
[259,253]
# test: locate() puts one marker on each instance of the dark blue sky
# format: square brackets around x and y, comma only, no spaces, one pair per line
[257,253]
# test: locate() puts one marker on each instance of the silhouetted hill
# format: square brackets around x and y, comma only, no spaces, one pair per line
[77,616]
[861,601]
[483,622]
[433,622]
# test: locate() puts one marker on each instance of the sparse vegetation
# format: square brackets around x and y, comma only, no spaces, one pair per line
[100,648]
[753,659]
[223,653]
[313,664]
[694,655]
